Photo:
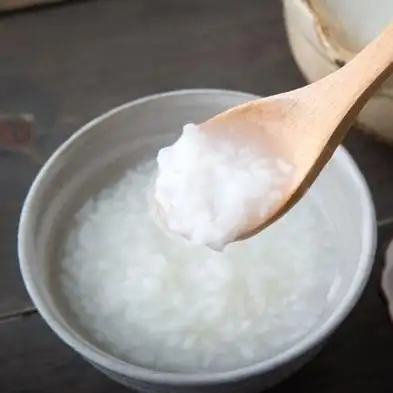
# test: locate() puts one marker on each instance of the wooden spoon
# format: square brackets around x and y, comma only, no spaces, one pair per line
[306,125]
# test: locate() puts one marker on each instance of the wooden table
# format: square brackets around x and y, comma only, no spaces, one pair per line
[61,66]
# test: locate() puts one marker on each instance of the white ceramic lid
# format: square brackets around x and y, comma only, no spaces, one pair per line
[353,23]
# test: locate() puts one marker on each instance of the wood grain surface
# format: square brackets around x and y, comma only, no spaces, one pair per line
[10,5]
[62,66]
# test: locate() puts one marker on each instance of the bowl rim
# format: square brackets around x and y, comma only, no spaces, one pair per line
[110,362]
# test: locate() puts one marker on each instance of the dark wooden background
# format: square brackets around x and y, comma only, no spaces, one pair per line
[62,65]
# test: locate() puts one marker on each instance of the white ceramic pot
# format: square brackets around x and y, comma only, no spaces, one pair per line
[94,156]
[325,34]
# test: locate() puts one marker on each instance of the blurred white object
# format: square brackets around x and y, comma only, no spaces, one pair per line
[387,277]
[325,34]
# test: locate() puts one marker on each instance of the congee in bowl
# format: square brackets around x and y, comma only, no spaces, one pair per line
[159,313]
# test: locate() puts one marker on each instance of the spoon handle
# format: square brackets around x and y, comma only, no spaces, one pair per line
[352,86]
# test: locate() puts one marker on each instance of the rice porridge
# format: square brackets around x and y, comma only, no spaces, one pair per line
[168,305]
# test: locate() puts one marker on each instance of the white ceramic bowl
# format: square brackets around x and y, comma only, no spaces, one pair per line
[98,153]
